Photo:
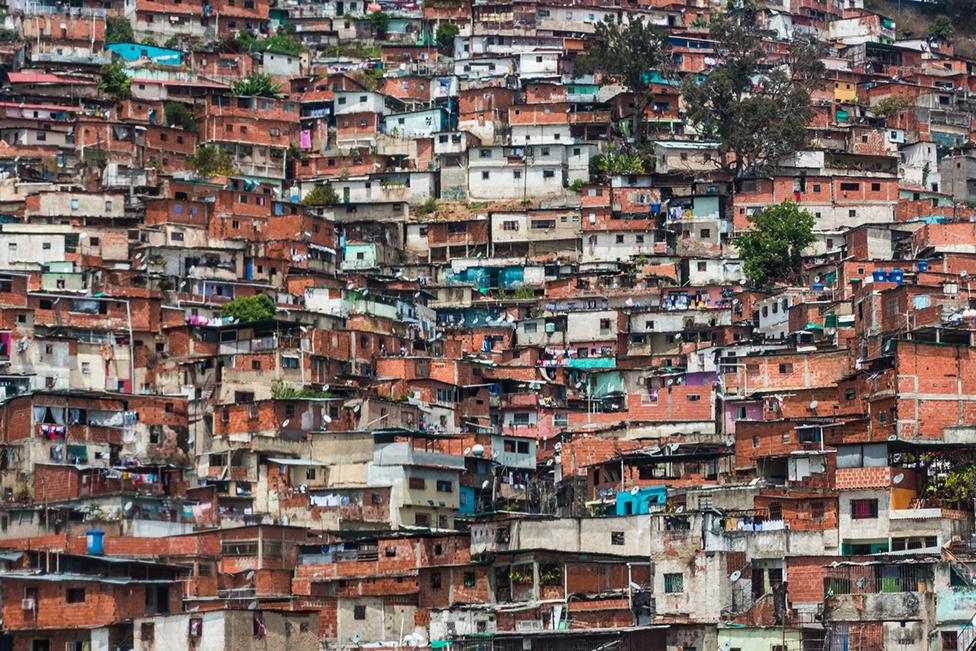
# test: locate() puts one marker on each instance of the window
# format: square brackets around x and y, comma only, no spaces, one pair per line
[435,580]
[548,174]
[359,612]
[706,233]
[775,511]
[289,362]
[485,176]
[516,174]
[616,537]
[785,369]
[864,509]
[522,447]
[445,486]
[693,397]
[421,519]
[674,583]
[702,266]
[417,483]
[875,187]
[816,510]
[510,226]
[852,187]
[470,580]
[75,596]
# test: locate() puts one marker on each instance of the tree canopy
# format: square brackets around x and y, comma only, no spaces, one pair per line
[942,28]
[179,115]
[772,250]
[245,309]
[209,160]
[256,85]
[114,81]
[380,22]
[629,54]
[446,32]
[321,195]
[118,30]
[755,112]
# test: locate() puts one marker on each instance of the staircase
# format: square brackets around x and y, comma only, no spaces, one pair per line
[966,637]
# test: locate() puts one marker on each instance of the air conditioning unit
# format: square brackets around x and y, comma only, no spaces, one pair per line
[27,604]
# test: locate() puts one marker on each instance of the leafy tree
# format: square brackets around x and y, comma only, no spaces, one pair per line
[380,23]
[369,77]
[282,43]
[209,161]
[629,54]
[942,28]
[445,35]
[256,85]
[772,250]
[118,30]
[616,161]
[179,115]
[245,309]
[755,112]
[172,43]
[321,195]
[149,40]
[892,104]
[114,81]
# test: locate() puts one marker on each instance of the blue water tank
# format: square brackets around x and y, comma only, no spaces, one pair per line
[96,544]
[923,265]
[897,276]
[879,275]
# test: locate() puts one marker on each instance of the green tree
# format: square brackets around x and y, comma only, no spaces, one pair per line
[942,28]
[321,195]
[892,104]
[772,250]
[616,161]
[180,115]
[379,21]
[209,160]
[256,85]
[114,81]
[246,309]
[118,30]
[757,112]
[149,40]
[445,34]
[629,55]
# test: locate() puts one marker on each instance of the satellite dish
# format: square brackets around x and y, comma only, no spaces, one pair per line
[635,490]
[860,582]
[730,442]
[673,446]
[356,638]
[897,479]
[325,387]
[679,509]
[735,576]
[127,508]
[327,418]
[549,462]
[252,606]
[896,457]
[285,424]
[478,450]
[249,575]
[893,437]
[356,408]
[813,405]
[634,586]
[467,451]
[557,447]
[725,646]
[484,484]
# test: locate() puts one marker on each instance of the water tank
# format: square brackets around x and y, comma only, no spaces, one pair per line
[96,543]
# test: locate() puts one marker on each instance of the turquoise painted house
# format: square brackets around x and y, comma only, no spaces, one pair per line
[134,51]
